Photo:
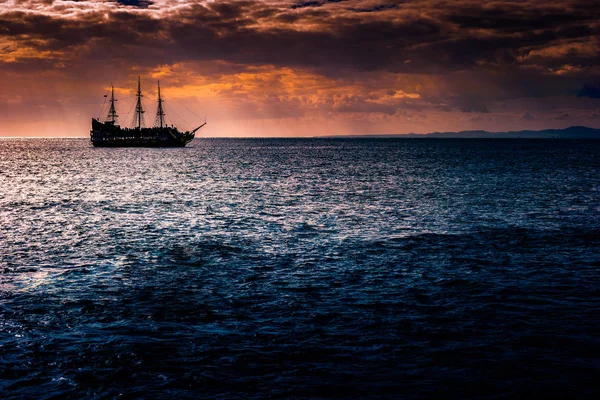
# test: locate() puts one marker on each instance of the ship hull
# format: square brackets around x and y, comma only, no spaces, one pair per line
[109,135]
[136,144]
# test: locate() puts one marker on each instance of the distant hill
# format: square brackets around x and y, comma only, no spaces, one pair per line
[573,132]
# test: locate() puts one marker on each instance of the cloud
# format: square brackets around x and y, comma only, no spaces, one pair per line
[470,103]
[317,33]
[526,116]
[136,3]
[376,58]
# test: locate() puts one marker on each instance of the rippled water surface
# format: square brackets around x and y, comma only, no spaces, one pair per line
[300,269]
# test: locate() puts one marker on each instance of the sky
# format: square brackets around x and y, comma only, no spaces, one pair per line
[301,68]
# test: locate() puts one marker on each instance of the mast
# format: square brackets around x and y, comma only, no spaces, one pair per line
[160,114]
[112,112]
[138,118]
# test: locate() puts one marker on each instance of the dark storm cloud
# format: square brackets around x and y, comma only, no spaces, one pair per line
[521,48]
[334,41]
[308,4]
[255,32]
[472,103]
[507,18]
[135,3]
[526,116]
[49,33]
[304,4]
[435,41]
[375,8]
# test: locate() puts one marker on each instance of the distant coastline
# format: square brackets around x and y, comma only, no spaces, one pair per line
[573,132]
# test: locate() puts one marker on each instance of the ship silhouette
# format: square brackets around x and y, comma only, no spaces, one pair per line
[110,134]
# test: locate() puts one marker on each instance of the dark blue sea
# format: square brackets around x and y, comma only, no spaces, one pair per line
[300,269]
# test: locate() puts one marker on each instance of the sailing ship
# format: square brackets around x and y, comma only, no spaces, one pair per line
[110,134]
